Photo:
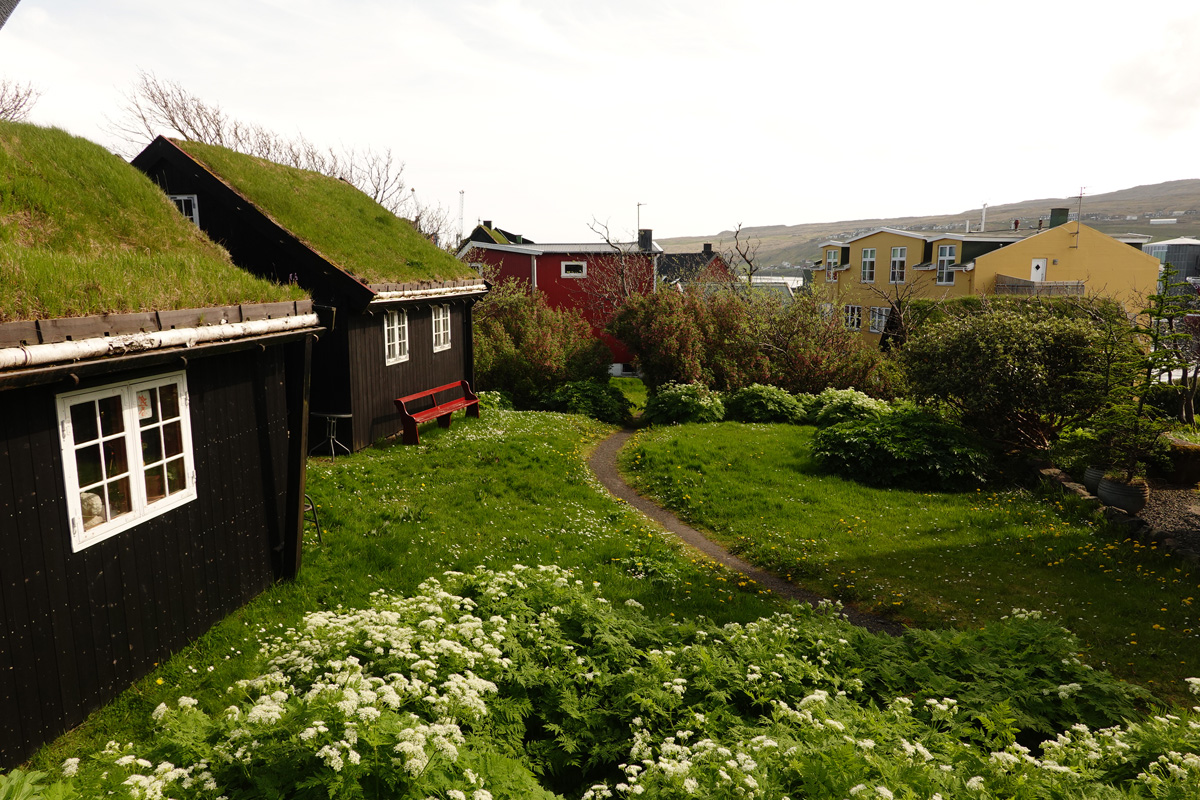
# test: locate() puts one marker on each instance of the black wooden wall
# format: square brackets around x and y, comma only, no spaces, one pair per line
[77,628]
[375,386]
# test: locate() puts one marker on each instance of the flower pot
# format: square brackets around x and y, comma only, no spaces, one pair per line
[1129,497]
[1091,478]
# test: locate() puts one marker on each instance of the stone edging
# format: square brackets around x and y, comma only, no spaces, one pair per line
[1134,526]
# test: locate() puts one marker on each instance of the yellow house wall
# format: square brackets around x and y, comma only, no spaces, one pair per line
[1107,267]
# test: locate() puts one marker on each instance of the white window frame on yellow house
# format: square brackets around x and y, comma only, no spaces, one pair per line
[833,259]
[898,264]
[868,265]
[879,317]
[947,253]
[853,317]
[826,310]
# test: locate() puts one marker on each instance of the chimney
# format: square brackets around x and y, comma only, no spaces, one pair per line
[487,223]
[1016,224]
[1040,221]
[1058,216]
[645,240]
[708,249]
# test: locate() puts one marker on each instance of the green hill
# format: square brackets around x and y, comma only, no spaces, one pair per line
[1108,212]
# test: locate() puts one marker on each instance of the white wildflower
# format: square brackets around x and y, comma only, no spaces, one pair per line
[70,767]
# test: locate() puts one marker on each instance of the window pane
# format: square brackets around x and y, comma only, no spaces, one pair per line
[168,395]
[176,477]
[172,439]
[147,406]
[87,465]
[112,421]
[116,461]
[118,498]
[83,422]
[151,446]
[156,487]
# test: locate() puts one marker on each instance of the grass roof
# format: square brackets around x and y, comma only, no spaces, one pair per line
[82,232]
[348,228]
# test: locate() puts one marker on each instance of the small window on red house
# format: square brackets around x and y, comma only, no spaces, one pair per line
[574,269]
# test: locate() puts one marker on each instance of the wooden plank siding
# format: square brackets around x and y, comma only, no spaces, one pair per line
[77,628]
[374,385]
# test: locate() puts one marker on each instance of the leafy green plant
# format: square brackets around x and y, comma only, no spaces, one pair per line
[1017,375]
[909,448]
[844,405]
[674,403]
[495,400]
[759,403]
[596,399]
[527,349]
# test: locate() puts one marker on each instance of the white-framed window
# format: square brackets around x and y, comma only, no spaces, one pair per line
[868,265]
[187,205]
[832,262]
[879,317]
[853,318]
[441,328]
[899,262]
[127,454]
[395,337]
[574,269]
[826,310]
[946,254]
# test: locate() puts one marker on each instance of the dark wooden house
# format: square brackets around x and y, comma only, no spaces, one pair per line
[151,461]
[398,307]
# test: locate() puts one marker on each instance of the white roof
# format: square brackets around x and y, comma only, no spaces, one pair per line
[1179,240]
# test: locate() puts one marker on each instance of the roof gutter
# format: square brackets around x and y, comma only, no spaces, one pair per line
[440,291]
[130,344]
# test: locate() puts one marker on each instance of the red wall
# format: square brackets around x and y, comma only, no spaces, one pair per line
[560,292]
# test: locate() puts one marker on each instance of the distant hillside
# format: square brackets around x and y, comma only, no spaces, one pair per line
[797,244]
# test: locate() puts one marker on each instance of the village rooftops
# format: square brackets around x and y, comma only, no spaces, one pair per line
[331,217]
[82,233]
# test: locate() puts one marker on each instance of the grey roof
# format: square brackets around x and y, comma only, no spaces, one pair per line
[674,267]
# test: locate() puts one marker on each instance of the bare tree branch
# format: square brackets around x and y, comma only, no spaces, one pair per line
[16,100]
[157,106]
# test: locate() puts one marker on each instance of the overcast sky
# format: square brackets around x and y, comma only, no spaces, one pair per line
[549,113]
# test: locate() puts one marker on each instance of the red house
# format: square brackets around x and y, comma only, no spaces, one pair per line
[595,277]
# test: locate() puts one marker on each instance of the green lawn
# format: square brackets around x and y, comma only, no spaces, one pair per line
[511,487]
[934,560]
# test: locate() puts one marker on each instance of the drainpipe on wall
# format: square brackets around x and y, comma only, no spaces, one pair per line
[533,271]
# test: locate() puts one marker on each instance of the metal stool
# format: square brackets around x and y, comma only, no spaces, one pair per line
[330,439]
[310,515]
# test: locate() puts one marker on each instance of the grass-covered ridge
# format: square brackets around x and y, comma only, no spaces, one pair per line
[82,232]
[335,219]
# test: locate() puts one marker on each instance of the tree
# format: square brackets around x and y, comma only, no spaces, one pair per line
[157,106]
[1017,377]
[16,100]
[614,278]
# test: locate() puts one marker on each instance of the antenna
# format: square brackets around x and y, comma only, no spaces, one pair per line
[639,215]
[461,193]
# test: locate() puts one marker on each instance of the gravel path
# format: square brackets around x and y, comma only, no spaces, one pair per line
[603,462]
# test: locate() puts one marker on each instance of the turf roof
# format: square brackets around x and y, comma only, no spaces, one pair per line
[336,220]
[82,232]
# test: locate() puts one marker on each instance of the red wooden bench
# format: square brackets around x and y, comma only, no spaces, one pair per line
[441,411]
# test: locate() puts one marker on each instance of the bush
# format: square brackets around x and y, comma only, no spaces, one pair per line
[1017,376]
[735,338]
[495,401]
[676,403]
[599,400]
[526,348]
[907,448]
[844,405]
[759,403]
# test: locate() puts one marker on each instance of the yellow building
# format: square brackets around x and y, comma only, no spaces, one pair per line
[865,277]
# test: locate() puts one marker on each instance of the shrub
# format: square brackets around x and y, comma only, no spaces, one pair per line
[759,403]
[675,403]
[495,401]
[735,338]
[526,348]
[1017,377]
[599,400]
[907,448]
[844,405]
